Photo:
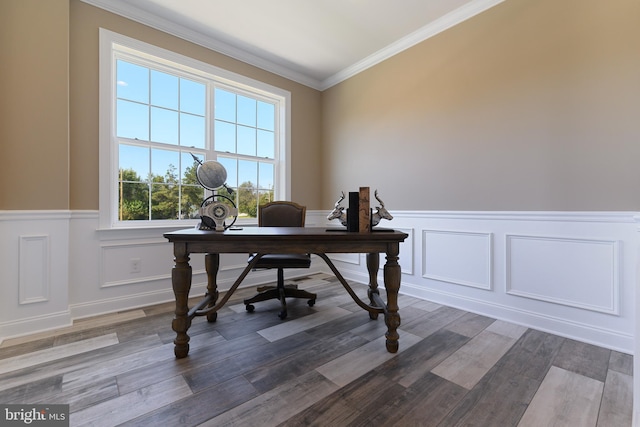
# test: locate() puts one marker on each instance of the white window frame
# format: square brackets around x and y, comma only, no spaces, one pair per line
[112,44]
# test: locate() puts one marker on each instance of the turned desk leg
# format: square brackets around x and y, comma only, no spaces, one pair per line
[181,281]
[392,277]
[373,264]
[212,264]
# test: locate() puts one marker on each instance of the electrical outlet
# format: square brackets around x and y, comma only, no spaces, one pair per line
[135,265]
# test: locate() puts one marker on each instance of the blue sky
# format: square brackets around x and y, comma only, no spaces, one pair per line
[176,108]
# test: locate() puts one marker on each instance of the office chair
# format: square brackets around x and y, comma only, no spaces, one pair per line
[281,214]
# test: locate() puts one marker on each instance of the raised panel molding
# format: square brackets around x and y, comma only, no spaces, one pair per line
[35,267]
[34,261]
[581,273]
[353,259]
[116,259]
[463,258]
[406,253]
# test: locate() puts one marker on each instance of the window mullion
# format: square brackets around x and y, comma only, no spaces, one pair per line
[150,157]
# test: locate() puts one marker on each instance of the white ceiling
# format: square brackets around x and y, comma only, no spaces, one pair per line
[314,42]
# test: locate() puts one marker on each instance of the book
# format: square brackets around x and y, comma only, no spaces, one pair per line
[364,211]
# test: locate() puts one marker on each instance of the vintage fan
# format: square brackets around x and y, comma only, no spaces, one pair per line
[217,212]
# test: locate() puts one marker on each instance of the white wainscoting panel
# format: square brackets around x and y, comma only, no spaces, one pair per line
[405,258]
[353,259]
[152,259]
[104,279]
[572,274]
[582,273]
[406,252]
[463,258]
[35,269]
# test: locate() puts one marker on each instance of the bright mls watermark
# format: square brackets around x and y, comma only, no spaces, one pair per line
[34,415]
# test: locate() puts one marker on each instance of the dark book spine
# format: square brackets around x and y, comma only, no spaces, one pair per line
[353,212]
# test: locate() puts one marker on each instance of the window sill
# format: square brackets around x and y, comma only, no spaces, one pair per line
[138,232]
[150,231]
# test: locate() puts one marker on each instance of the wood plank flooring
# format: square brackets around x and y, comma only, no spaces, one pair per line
[323,366]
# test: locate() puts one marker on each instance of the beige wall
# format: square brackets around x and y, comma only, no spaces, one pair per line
[34,104]
[532,105]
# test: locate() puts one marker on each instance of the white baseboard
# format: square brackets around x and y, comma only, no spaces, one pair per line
[558,326]
[27,326]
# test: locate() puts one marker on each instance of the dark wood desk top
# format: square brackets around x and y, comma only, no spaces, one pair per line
[290,239]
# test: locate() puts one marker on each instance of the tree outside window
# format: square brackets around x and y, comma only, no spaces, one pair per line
[163,119]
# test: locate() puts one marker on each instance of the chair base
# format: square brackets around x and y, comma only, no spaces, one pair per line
[281,293]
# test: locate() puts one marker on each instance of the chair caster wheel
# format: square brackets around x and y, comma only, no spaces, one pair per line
[282,315]
[311,302]
[250,308]
[212,317]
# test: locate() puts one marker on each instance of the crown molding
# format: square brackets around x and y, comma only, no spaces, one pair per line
[439,25]
[129,11]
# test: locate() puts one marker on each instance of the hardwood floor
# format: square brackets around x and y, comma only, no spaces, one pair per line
[323,366]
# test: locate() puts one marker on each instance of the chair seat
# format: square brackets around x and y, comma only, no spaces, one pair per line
[283,261]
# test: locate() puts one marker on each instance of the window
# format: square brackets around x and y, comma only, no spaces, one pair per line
[161,111]
[244,134]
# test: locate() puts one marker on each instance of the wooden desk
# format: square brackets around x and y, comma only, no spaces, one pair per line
[264,240]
